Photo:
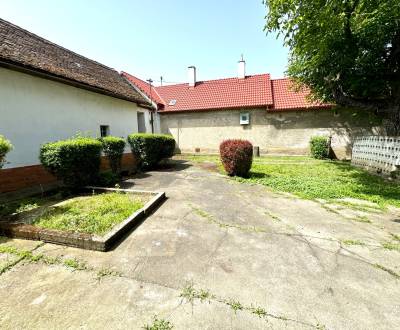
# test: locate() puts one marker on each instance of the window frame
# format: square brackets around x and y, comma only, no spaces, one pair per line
[104,129]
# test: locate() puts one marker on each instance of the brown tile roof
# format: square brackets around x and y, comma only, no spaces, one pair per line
[24,49]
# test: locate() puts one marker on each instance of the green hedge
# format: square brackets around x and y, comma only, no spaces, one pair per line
[5,147]
[319,147]
[74,161]
[113,148]
[151,148]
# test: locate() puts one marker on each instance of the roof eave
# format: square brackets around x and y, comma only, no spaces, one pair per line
[46,75]
[248,107]
[152,104]
[310,108]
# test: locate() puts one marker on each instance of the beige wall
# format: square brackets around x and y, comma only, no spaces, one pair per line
[275,133]
[34,110]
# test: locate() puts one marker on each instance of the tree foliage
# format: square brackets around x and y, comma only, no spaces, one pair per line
[345,51]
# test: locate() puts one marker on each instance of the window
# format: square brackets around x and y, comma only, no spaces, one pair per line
[141,122]
[104,130]
[244,118]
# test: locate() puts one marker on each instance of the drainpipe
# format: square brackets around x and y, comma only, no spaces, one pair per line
[150,81]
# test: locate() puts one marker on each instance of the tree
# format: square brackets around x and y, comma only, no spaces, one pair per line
[345,51]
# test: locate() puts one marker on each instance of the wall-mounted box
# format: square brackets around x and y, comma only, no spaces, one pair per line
[244,118]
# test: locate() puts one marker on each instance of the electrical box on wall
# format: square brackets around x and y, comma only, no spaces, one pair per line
[244,118]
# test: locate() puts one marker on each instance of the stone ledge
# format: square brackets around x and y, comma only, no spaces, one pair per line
[83,240]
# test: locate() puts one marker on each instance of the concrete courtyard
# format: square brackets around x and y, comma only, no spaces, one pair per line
[217,254]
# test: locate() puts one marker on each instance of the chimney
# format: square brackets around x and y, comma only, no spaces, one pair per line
[242,69]
[192,76]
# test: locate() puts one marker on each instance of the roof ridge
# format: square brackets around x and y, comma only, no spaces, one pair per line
[56,45]
[218,80]
[284,78]
[34,54]
[247,76]
[155,89]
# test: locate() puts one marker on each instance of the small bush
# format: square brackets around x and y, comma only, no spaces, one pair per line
[319,147]
[75,161]
[236,156]
[5,148]
[149,149]
[113,148]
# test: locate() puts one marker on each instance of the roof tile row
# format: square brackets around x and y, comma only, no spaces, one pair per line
[29,51]
[26,50]
[230,93]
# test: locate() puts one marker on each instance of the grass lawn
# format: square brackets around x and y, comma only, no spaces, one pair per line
[25,204]
[309,178]
[95,214]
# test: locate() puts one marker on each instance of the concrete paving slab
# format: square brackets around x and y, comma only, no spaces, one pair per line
[240,243]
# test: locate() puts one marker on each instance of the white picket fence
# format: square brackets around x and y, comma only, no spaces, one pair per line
[380,154]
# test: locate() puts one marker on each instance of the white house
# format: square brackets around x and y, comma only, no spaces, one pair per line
[48,93]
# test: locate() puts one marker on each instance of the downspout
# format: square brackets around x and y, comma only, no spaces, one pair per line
[150,81]
[152,121]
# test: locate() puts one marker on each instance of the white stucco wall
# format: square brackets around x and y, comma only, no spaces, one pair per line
[35,110]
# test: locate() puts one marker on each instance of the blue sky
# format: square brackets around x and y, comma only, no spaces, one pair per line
[150,38]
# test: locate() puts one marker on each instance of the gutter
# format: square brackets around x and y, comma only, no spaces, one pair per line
[45,75]
[268,108]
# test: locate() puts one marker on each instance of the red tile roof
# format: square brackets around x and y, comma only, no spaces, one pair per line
[253,91]
[286,98]
[230,93]
[144,88]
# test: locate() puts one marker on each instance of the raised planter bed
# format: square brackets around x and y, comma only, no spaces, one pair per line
[25,230]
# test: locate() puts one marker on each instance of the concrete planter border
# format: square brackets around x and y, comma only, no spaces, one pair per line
[83,240]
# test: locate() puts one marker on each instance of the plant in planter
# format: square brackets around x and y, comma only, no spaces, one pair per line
[113,148]
[236,157]
[150,149]
[75,161]
[5,148]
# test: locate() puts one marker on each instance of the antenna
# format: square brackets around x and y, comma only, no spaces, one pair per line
[150,81]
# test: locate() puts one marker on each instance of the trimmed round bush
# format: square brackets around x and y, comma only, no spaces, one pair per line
[5,148]
[150,149]
[319,147]
[74,161]
[113,148]
[236,157]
